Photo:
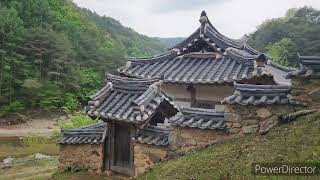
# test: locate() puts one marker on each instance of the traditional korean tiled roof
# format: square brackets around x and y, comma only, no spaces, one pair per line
[198,118]
[127,99]
[309,66]
[195,68]
[154,135]
[93,134]
[280,72]
[205,57]
[248,94]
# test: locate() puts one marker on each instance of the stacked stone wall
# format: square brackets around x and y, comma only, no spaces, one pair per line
[253,119]
[184,139]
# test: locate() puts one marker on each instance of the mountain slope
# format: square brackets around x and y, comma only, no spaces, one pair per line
[54,54]
[169,42]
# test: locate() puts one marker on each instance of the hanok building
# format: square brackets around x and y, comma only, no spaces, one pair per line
[199,71]
[182,89]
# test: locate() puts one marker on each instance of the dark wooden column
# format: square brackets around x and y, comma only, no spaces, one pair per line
[193,100]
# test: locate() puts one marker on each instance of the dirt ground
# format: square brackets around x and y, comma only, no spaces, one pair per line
[35,125]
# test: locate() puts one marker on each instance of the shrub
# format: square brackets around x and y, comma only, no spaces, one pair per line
[76,121]
[71,103]
[13,107]
[34,140]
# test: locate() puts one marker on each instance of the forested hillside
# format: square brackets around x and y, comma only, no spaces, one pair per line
[54,54]
[169,42]
[282,38]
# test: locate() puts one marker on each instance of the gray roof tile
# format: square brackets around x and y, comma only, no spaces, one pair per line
[154,135]
[198,118]
[127,99]
[248,94]
[93,134]
[309,66]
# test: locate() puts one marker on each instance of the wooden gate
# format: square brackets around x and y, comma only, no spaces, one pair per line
[119,149]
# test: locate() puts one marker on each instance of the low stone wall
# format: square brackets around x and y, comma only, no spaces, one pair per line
[82,156]
[147,155]
[184,139]
[252,119]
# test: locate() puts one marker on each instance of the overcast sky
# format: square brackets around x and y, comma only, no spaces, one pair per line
[179,18]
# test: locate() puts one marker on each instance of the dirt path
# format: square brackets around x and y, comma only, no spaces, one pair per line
[38,126]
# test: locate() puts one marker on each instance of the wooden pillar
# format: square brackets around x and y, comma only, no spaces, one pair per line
[192,90]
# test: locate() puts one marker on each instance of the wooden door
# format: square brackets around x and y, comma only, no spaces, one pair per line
[121,149]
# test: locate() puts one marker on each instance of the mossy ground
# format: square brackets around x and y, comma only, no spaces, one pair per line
[295,142]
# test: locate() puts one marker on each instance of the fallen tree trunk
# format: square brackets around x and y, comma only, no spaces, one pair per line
[293,116]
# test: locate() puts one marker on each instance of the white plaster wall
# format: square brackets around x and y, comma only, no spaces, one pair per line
[213,93]
[181,103]
[176,90]
[203,92]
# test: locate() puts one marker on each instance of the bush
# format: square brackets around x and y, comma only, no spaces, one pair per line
[13,107]
[34,140]
[77,121]
[71,103]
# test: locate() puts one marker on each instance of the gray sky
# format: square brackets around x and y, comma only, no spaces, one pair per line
[179,18]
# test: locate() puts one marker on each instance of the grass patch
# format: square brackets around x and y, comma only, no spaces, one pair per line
[39,170]
[295,142]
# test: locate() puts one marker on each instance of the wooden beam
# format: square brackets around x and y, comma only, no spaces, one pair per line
[192,89]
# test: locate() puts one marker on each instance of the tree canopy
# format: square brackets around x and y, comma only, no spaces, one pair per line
[283,37]
[54,54]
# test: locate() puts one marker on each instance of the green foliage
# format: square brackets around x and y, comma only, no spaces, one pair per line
[90,82]
[301,26]
[280,51]
[70,102]
[54,54]
[76,121]
[34,140]
[13,107]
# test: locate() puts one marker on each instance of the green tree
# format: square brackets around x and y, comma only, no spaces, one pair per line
[301,26]
[11,56]
[280,51]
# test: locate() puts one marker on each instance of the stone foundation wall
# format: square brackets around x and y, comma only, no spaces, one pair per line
[82,156]
[306,90]
[147,155]
[184,139]
[252,119]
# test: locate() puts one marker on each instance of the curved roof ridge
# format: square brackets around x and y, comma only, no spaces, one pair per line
[236,43]
[115,78]
[201,111]
[186,41]
[239,86]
